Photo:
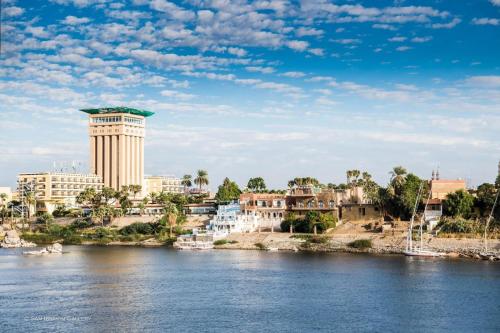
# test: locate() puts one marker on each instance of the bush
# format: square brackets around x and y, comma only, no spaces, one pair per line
[260,246]
[361,244]
[39,238]
[318,240]
[221,242]
[82,223]
[140,228]
[458,225]
[306,224]
[45,218]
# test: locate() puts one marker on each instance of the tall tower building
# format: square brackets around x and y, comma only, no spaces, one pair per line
[117,145]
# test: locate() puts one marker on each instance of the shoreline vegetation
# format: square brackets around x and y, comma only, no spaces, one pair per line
[157,235]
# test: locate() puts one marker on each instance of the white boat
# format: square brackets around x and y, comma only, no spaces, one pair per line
[417,250]
[273,249]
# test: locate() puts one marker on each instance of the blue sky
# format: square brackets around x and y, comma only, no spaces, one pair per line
[276,89]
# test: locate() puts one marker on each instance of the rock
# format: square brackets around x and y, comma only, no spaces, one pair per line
[13,240]
[55,248]
[453,254]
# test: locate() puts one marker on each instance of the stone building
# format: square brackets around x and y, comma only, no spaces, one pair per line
[167,184]
[269,207]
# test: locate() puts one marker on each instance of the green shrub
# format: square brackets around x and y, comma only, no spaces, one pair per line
[221,242]
[260,246]
[44,218]
[233,242]
[458,225]
[82,223]
[318,240]
[39,238]
[140,228]
[361,244]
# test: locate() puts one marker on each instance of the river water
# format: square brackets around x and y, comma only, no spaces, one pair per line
[130,289]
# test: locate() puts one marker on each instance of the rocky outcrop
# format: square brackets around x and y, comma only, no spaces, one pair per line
[52,249]
[13,240]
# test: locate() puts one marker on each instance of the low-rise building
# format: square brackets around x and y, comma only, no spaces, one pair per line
[269,207]
[55,188]
[303,199]
[167,184]
[231,219]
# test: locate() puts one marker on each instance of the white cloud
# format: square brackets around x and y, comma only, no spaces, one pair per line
[237,51]
[384,26]
[317,51]
[403,48]
[421,39]
[491,81]
[303,31]
[347,41]
[260,69]
[176,95]
[294,74]
[297,45]
[12,11]
[495,2]
[485,21]
[453,23]
[172,10]
[397,39]
[73,20]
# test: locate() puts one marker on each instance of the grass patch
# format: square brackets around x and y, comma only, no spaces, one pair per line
[221,242]
[40,238]
[361,244]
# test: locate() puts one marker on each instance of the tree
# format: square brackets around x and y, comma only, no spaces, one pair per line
[485,198]
[228,191]
[256,184]
[398,177]
[135,189]
[371,190]
[170,213]
[497,182]
[186,182]
[458,204]
[201,179]
[303,181]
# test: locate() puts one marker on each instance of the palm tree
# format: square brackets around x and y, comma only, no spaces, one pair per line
[186,181]
[201,178]
[3,197]
[171,213]
[398,176]
[135,189]
[153,196]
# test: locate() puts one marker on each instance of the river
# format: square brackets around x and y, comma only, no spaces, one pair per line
[131,289]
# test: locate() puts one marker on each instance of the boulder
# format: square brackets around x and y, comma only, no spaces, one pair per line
[55,248]
[12,240]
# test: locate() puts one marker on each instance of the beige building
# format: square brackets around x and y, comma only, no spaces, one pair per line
[117,145]
[440,188]
[56,188]
[167,184]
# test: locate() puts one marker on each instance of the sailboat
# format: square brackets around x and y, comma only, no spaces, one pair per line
[413,250]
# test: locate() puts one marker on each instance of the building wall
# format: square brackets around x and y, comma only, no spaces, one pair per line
[265,205]
[359,212]
[441,188]
[117,148]
[53,188]
[167,184]
[303,200]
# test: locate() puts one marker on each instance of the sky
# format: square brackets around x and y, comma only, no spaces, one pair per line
[271,88]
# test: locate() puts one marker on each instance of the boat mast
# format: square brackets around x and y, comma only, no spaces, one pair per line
[488,222]
[409,238]
[422,220]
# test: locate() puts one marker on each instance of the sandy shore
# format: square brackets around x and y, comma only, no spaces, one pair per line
[381,243]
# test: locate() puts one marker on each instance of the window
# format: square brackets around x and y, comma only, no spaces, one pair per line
[320,204]
[331,203]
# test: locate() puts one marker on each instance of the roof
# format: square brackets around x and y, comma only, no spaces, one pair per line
[118,109]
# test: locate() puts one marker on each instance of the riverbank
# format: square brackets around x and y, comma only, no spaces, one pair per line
[379,244]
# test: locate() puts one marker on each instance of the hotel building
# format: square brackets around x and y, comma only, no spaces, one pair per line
[56,188]
[167,184]
[117,145]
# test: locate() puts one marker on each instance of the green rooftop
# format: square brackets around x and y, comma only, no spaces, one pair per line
[118,109]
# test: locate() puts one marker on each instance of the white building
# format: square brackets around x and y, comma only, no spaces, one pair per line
[229,219]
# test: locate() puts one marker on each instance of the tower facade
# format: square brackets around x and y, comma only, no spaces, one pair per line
[117,145]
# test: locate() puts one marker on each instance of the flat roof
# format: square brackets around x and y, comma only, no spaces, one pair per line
[118,109]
